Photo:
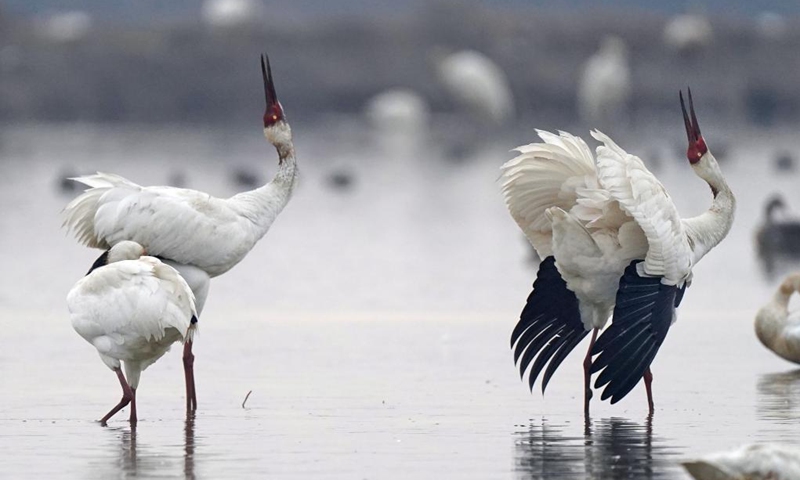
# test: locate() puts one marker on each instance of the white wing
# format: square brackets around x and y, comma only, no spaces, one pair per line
[186,226]
[545,175]
[640,194]
[131,299]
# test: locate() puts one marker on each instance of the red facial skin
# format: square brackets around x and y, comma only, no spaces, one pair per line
[273,114]
[696,150]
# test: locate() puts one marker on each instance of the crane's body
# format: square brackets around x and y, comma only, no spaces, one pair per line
[752,462]
[199,235]
[612,242]
[131,309]
[776,327]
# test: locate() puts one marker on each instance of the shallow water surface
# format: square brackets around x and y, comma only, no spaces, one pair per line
[371,325]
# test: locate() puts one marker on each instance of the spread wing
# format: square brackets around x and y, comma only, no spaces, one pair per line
[183,225]
[549,326]
[545,175]
[643,313]
[642,196]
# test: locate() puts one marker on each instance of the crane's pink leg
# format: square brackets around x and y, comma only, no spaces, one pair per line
[188,370]
[587,363]
[648,381]
[133,419]
[127,396]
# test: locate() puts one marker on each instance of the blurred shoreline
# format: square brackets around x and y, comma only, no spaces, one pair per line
[195,71]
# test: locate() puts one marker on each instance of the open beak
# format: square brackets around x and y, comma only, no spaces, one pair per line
[690,122]
[269,86]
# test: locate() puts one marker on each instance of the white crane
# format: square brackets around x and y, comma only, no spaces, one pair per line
[611,240]
[477,83]
[398,109]
[605,84]
[688,33]
[198,234]
[776,327]
[753,462]
[131,308]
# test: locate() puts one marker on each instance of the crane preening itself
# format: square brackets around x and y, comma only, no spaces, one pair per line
[200,235]
[611,241]
[777,327]
[131,308]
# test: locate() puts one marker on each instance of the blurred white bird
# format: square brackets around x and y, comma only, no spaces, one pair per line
[397,109]
[478,84]
[605,85]
[231,13]
[776,327]
[200,235]
[610,238]
[751,462]
[131,308]
[688,33]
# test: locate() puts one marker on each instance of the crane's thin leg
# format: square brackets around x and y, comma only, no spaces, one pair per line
[648,381]
[127,396]
[188,370]
[587,363]
[133,419]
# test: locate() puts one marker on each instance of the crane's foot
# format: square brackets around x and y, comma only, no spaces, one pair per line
[127,397]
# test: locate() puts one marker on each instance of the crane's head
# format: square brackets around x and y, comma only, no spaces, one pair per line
[125,250]
[274,112]
[697,145]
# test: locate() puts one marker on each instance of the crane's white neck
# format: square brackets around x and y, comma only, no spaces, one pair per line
[774,316]
[262,205]
[706,230]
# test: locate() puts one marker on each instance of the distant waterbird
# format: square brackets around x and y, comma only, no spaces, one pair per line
[200,235]
[611,240]
[750,462]
[605,85]
[777,328]
[131,308]
[477,84]
[778,236]
[689,33]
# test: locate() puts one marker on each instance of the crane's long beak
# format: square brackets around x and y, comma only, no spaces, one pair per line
[692,128]
[269,85]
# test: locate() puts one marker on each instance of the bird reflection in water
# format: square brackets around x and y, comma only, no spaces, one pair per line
[144,461]
[609,448]
[129,463]
[188,446]
[779,397]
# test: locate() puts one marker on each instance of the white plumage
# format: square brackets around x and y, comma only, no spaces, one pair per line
[778,328]
[751,462]
[132,310]
[605,84]
[200,235]
[478,84]
[611,239]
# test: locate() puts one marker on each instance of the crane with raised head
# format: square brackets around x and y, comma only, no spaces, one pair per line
[612,243]
[202,236]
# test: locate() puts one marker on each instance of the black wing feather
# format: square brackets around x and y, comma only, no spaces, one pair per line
[642,317]
[549,326]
